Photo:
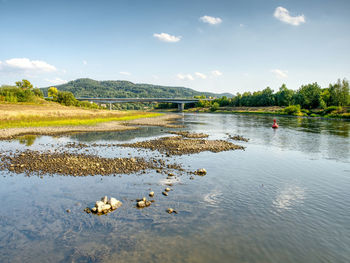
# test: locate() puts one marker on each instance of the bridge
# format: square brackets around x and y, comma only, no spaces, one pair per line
[179,101]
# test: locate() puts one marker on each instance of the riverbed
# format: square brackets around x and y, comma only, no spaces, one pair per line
[285,198]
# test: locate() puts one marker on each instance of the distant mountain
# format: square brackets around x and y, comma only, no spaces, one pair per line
[90,88]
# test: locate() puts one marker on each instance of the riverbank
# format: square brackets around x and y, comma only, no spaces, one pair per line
[274,110]
[51,119]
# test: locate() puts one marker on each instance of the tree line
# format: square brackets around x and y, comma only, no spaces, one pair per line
[310,96]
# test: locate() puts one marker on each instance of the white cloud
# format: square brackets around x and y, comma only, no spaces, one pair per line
[242,25]
[211,20]
[283,15]
[56,81]
[25,64]
[216,73]
[84,62]
[280,73]
[185,76]
[200,75]
[167,38]
[125,73]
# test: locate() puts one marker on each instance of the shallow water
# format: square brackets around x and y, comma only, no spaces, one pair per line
[284,199]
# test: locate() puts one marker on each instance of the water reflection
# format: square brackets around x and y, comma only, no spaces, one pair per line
[288,197]
[27,140]
[121,135]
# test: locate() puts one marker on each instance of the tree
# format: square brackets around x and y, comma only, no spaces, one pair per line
[284,97]
[24,84]
[339,93]
[53,92]
[67,98]
[308,96]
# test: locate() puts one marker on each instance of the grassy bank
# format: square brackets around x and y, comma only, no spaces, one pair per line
[18,115]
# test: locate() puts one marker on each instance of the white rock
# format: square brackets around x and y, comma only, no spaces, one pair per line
[114,203]
[99,205]
[106,207]
[104,199]
[141,204]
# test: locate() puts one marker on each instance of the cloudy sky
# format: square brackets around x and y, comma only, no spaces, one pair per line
[220,46]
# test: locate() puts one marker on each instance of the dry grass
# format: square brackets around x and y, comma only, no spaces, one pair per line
[53,114]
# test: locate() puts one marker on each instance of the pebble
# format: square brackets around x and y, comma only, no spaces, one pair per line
[201,172]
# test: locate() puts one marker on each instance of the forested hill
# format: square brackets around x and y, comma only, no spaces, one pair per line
[90,88]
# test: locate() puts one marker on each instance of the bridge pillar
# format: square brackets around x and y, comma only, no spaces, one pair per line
[181,106]
[110,106]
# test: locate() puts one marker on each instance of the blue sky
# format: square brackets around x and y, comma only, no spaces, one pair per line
[219,46]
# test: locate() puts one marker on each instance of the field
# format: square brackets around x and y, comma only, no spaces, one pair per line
[52,114]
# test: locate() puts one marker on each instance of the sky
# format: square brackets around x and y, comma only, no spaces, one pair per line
[218,46]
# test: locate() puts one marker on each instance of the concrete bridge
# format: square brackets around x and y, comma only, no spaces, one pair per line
[179,101]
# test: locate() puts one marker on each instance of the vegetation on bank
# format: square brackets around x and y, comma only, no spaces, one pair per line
[309,100]
[24,91]
[24,106]
[37,121]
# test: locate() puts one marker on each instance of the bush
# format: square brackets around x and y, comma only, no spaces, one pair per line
[66,98]
[331,109]
[214,106]
[38,92]
[293,110]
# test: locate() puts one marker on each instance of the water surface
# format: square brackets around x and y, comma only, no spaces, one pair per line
[284,199]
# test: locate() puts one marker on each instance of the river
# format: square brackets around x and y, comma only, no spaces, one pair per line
[284,199]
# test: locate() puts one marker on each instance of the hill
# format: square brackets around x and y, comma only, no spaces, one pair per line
[125,89]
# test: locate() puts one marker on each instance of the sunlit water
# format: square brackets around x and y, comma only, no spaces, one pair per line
[284,199]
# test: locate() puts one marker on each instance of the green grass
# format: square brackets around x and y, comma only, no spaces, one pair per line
[32,122]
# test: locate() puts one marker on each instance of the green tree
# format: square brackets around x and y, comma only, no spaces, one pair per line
[284,97]
[308,96]
[67,98]
[53,92]
[24,84]
[339,93]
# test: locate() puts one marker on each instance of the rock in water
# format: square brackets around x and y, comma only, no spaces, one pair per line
[165,193]
[170,210]
[201,172]
[104,199]
[167,189]
[141,204]
[151,194]
[114,203]
[99,205]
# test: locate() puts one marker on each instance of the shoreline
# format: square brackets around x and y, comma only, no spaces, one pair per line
[166,120]
[257,112]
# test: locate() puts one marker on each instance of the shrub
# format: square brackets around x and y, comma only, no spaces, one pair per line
[293,110]
[331,109]
[66,98]
[214,106]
